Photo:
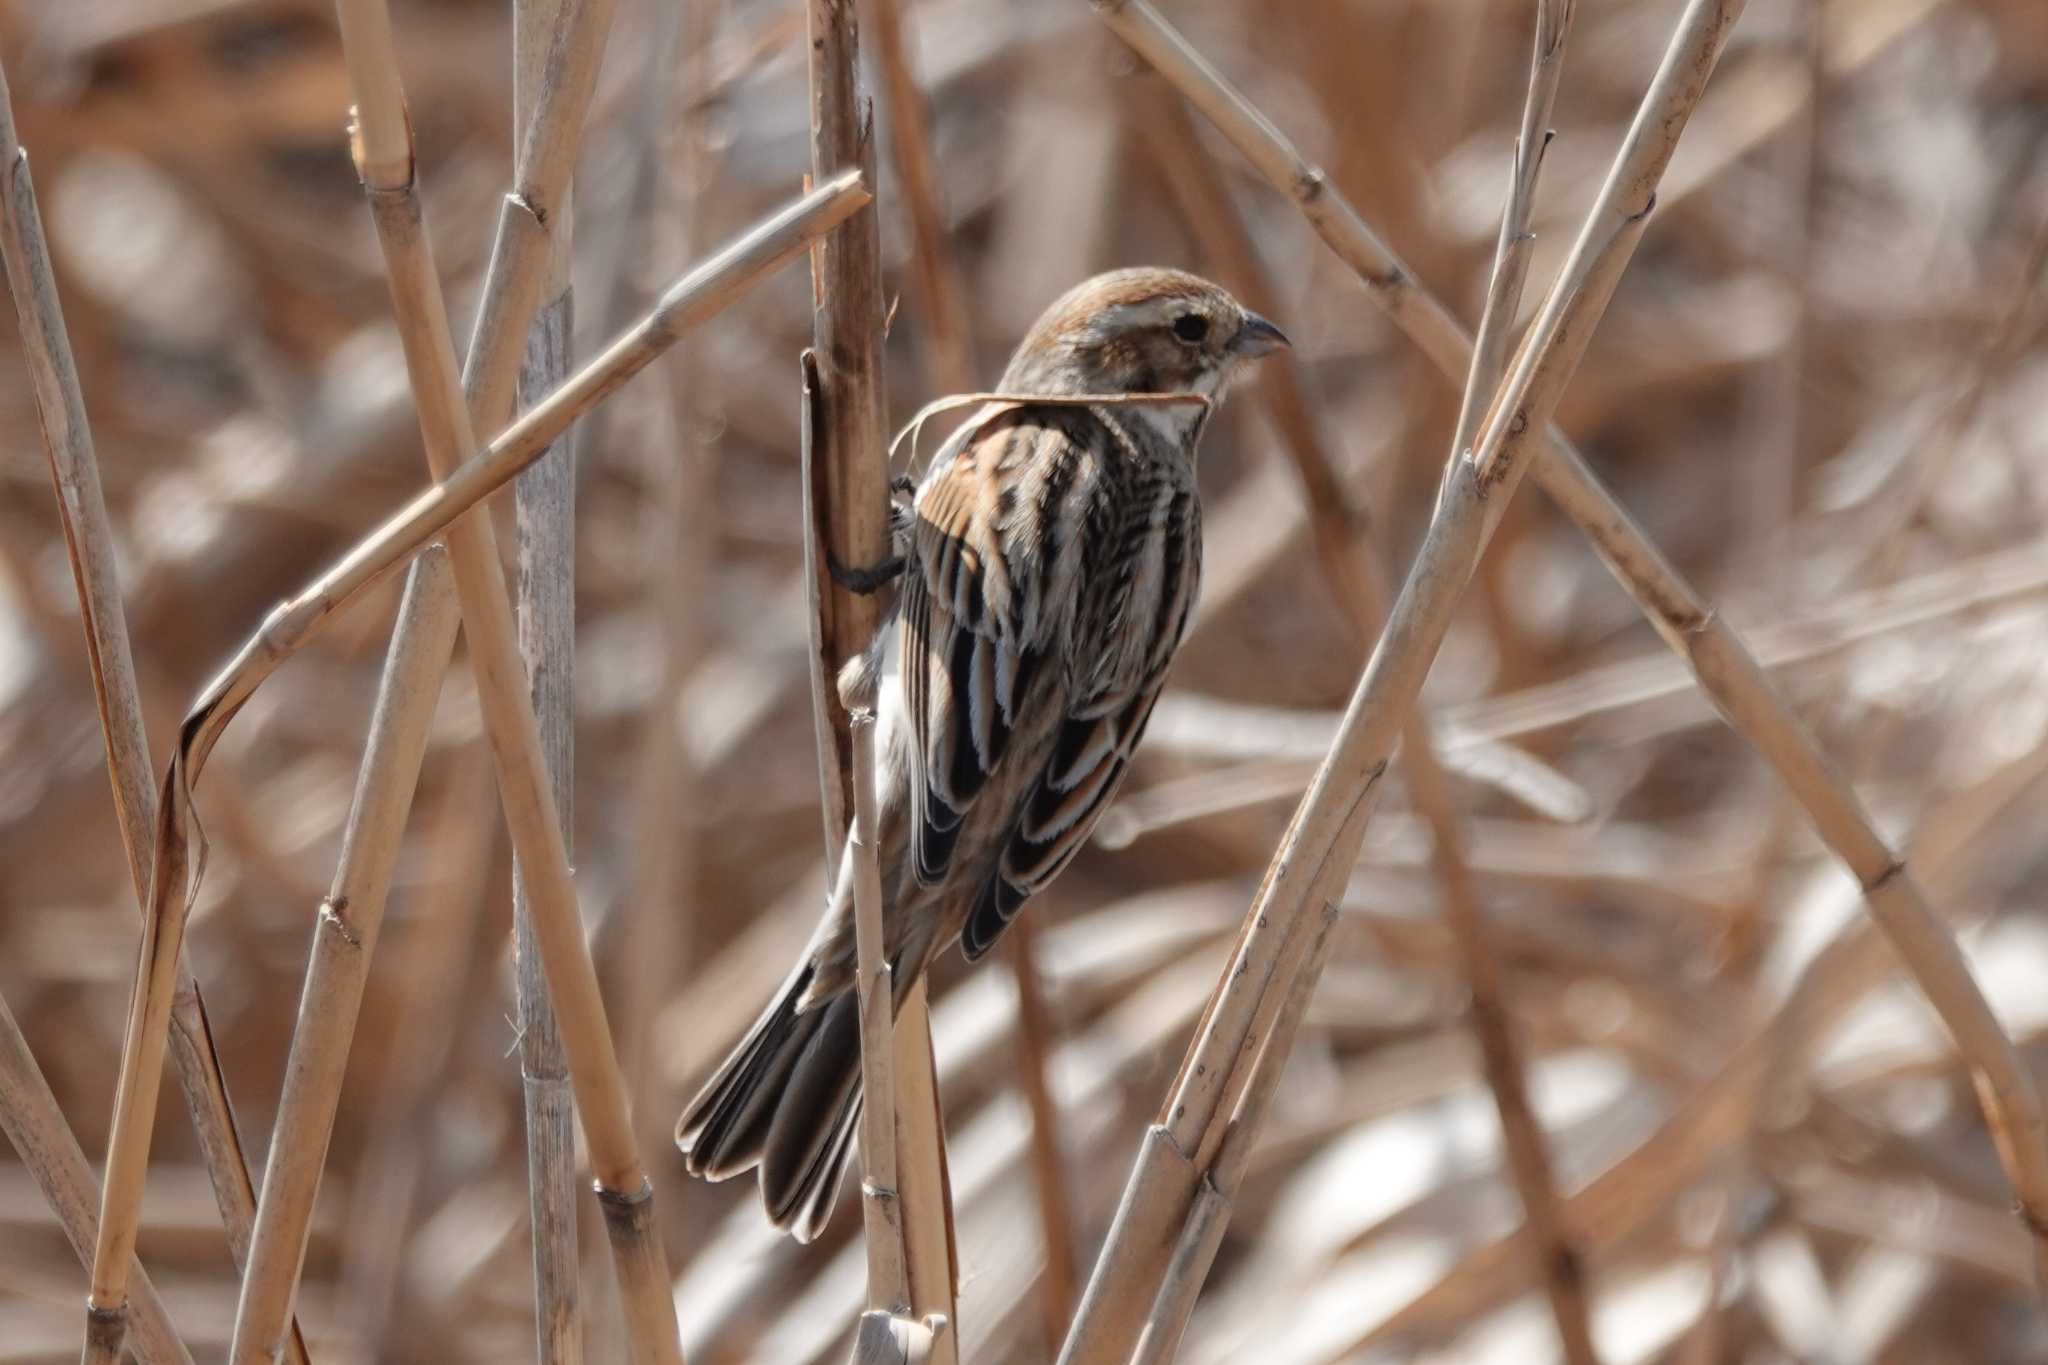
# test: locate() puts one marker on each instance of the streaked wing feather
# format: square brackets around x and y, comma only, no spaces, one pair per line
[1087,767]
[970,641]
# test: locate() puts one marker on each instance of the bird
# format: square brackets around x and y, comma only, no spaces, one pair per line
[1049,561]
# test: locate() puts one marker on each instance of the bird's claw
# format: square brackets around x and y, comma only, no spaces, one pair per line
[864,581]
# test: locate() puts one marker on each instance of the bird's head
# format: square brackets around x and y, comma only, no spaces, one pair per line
[1144,330]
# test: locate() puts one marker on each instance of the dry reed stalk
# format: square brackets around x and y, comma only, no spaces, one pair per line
[852,476]
[561,67]
[89,537]
[888,1290]
[1355,578]
[524,250]
[887,1241]
[344,940]
[395,784]
[289,626]
[1688,622]
[848,485]
[448,943]
[36,1129]
[1561,1269]
[1322,843]
[82,507]
[385,160]
[545,501]
[1202,1234]
[924,1181]
[1511,250]
[557,78]
[948,349]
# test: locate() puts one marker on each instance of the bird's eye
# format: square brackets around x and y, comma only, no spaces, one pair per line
[1191,328]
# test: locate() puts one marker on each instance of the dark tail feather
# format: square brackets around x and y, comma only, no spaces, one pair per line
[786,1100]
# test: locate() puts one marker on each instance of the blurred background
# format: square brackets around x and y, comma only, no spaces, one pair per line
[1823,388]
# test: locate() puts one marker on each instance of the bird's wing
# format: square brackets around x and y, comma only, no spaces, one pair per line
[975,633]
[1083,773]
[1099,731]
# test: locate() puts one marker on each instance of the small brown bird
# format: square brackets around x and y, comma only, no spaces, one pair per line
[1051,564]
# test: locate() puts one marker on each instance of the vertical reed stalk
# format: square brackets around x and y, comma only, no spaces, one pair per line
[849,488]
[385,159]
[948,352]
[545,502]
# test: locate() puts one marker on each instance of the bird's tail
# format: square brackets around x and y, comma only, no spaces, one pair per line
[787,1100]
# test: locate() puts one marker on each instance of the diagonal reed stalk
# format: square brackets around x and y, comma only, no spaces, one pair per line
[1561,1268]
[1273,957]
[912,1266]
[545,502]
[292,623]
[36,1129]
[89,537]
[344,940]
[1722,664]
[387,165]
[556,81]
[422,645]
[1202,1233]
[1356,579]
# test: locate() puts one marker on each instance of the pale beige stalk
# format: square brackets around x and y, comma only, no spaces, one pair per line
[1561,1269]
[848,486]
[89,537]
[1687,621]
[1358,582]
[344,940]
[1511,249]
[699,295]
[545,502]
[448,943]
[1202,1234]
[1322,844]
[36,1130]
[558,79]
[525,245]
[385,161]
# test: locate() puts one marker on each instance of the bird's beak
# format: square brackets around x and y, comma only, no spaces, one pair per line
[1258,337]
